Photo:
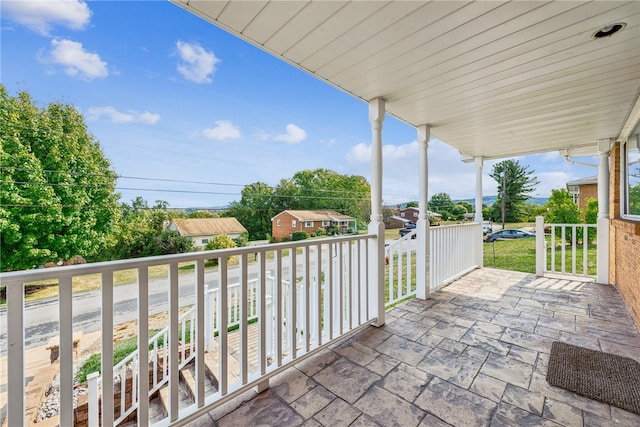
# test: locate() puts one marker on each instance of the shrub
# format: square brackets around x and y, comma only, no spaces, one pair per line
[321,232]
[299,235]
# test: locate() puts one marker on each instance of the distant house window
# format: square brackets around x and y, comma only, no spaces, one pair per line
[278,223]
[631,168]
[402,214]
[308,224]
[204,241]
[325,223]
[415,214]
[343,222]
[293,223]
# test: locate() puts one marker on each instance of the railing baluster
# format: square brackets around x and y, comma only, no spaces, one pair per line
[319,296]
[307,300]
[173,342]
[201,330]
[15,353]
[92,404]
[262,313]
[574,238]
[293,317]
[107,348]
[242,305]
[143,344]
[277,306]
[65,306]
[223,371]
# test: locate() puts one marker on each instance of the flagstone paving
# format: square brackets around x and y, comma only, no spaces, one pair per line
[474,354]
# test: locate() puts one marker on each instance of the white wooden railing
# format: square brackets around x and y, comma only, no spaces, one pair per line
[454,250]
[158,358]
[331,299]
[566,251]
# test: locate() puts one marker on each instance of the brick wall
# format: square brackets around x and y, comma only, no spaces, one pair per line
[587,191]
[284,229]
[624,244]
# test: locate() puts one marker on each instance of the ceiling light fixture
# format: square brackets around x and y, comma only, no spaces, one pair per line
[609,30]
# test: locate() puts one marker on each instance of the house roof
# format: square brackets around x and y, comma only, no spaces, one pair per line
[583,181]
[319,215]
[208,226]
[494,79]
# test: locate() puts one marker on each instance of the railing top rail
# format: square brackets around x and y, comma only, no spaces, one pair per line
[570,225]
[24,276]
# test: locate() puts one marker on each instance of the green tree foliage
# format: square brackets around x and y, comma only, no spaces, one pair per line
[141,232]
[634,199]
[469,208]
[529,211]
[515,183]
[561,209]
[591,217]
[57,197]
[442,204]
[254,210]
[306,190]
[299,235]
[457,211]
[325,189]
[221,241]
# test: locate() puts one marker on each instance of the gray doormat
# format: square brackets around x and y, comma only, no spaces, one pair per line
[604,377]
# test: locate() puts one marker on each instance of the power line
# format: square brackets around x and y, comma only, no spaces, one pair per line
[159,180]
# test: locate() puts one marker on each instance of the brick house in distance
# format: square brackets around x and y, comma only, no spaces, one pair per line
[411,214]
[286,222]
[202,230]
[582,190]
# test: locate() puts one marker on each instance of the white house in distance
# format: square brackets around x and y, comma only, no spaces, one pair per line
[202,230]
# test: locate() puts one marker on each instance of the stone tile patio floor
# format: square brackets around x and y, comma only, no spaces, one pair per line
[474,354]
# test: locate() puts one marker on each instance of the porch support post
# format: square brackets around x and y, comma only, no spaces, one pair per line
[479,163]
[422,227]
[603,212]
[376,226]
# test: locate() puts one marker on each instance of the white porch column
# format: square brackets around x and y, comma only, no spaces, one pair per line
[603,212]
[422,228]
[479,162]
[376,226]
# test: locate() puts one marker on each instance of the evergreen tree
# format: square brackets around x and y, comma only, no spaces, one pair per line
[515,183]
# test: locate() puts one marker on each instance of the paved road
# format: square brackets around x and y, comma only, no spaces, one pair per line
[41,317]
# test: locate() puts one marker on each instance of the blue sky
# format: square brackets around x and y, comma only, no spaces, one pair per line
[171,97]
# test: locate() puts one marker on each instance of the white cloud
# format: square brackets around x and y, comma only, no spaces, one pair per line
[223,129]
[197,65]
[119,117]
[41,16]
[261,135]
[76,61]
[293,135]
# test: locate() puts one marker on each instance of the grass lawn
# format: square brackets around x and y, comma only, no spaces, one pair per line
[520,255]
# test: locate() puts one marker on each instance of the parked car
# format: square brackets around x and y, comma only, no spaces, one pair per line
[508,234]
[487,227]
[408,229]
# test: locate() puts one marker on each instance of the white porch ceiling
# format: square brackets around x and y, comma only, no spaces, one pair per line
[493,79]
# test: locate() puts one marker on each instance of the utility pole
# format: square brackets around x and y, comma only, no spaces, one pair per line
[503,201]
